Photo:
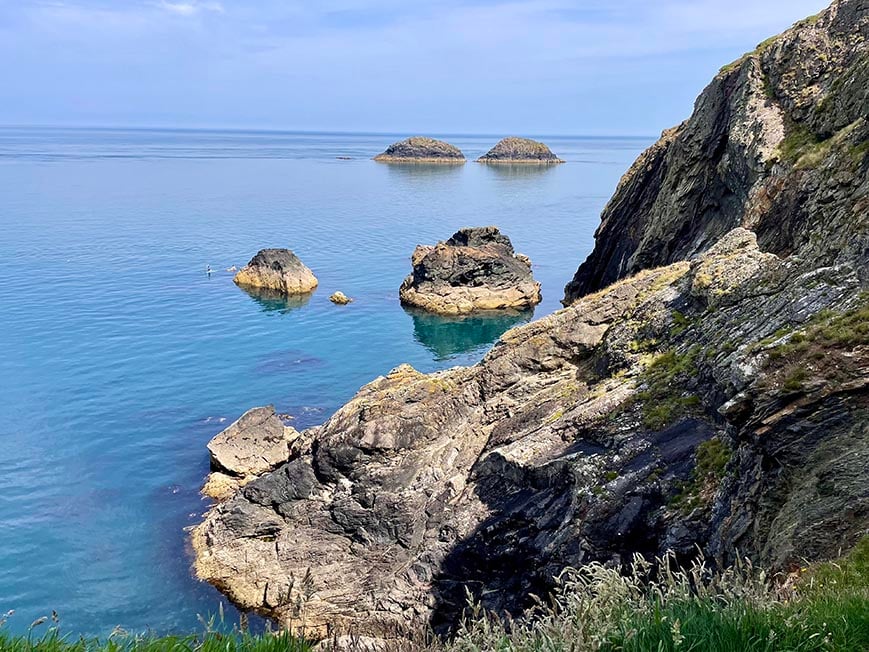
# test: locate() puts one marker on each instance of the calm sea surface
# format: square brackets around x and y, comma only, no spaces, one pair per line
[121,358]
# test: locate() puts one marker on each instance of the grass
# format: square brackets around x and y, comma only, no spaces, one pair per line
[597,609]
[711,459]
[662,401]
[648,607]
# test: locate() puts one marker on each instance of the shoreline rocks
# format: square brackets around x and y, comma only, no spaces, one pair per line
[420,149]
[519,151]
[475,270]
[279,270]
[257,442]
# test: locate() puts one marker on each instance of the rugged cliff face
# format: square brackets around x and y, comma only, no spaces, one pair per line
[774,145]
[714,397]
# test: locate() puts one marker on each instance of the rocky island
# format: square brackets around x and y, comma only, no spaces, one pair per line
[419,149]
[475,269]
[705,389]
[513,150]
[278,270]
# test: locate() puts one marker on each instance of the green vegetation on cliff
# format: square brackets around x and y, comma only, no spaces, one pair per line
[820,608]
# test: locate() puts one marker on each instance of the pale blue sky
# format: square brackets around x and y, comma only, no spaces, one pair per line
[594,67]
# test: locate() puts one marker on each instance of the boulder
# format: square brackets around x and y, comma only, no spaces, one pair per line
[419,149]
[340,299]
[520,150]
[476,269]
[279,270]
[257,442]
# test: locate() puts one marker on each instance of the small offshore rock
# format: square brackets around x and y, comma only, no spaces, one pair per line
[279,270]
[419,149]
[520,150]
[340,299]
[476,269]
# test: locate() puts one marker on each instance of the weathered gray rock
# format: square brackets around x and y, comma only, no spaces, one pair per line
[257,442]
[717,402]
[476,269]
[278,270]
[419,149]
[513,150]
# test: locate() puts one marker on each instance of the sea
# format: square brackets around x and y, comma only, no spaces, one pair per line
[120,357]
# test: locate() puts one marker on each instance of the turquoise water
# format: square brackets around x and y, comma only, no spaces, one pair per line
[121,357]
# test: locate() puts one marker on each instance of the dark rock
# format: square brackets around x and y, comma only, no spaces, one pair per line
[476,269]
[421,150]
[519,150]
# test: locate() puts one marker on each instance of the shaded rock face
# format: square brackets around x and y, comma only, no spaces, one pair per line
[773,145]
[476,269]
[422,150]
[519,150]
[278,270]
[716,403]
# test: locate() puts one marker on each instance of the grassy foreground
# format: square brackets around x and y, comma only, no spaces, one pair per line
[824,607]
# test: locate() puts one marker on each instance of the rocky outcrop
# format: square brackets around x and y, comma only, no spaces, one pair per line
[278,270]
[476,269]
[519,150]
[340,299]
[254,444]
[419,149]
[716,402]
[774,139]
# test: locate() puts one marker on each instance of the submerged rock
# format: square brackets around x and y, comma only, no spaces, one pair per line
[519,150]
[279,270]
[718,402]
[476,269]
[420,149]
[340,299]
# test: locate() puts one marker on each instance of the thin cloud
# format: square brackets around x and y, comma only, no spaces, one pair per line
[191,8]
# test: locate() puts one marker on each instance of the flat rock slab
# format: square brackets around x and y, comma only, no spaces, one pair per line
[254,444]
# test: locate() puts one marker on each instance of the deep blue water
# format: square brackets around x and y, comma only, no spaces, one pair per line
[120,357]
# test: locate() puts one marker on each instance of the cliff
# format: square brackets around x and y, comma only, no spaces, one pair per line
[774,145]
[705,389]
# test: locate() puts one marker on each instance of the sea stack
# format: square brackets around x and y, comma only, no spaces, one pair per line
[419,149]
[513,150]
[279,270]
[476,269]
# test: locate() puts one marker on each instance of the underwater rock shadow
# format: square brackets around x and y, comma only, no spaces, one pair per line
[447,337]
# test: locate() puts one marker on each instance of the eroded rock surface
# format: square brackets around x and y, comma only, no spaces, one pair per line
[420,149]
[519,150]
[774,145]
[713,397]
[278,270]
[476,269]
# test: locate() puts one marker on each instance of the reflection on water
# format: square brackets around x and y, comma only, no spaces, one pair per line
[422,170]
[447,337]
[274,301]
[519,170]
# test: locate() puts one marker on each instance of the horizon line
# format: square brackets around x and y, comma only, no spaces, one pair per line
[327,132]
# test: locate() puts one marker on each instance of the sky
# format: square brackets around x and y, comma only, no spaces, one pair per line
[527,67]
